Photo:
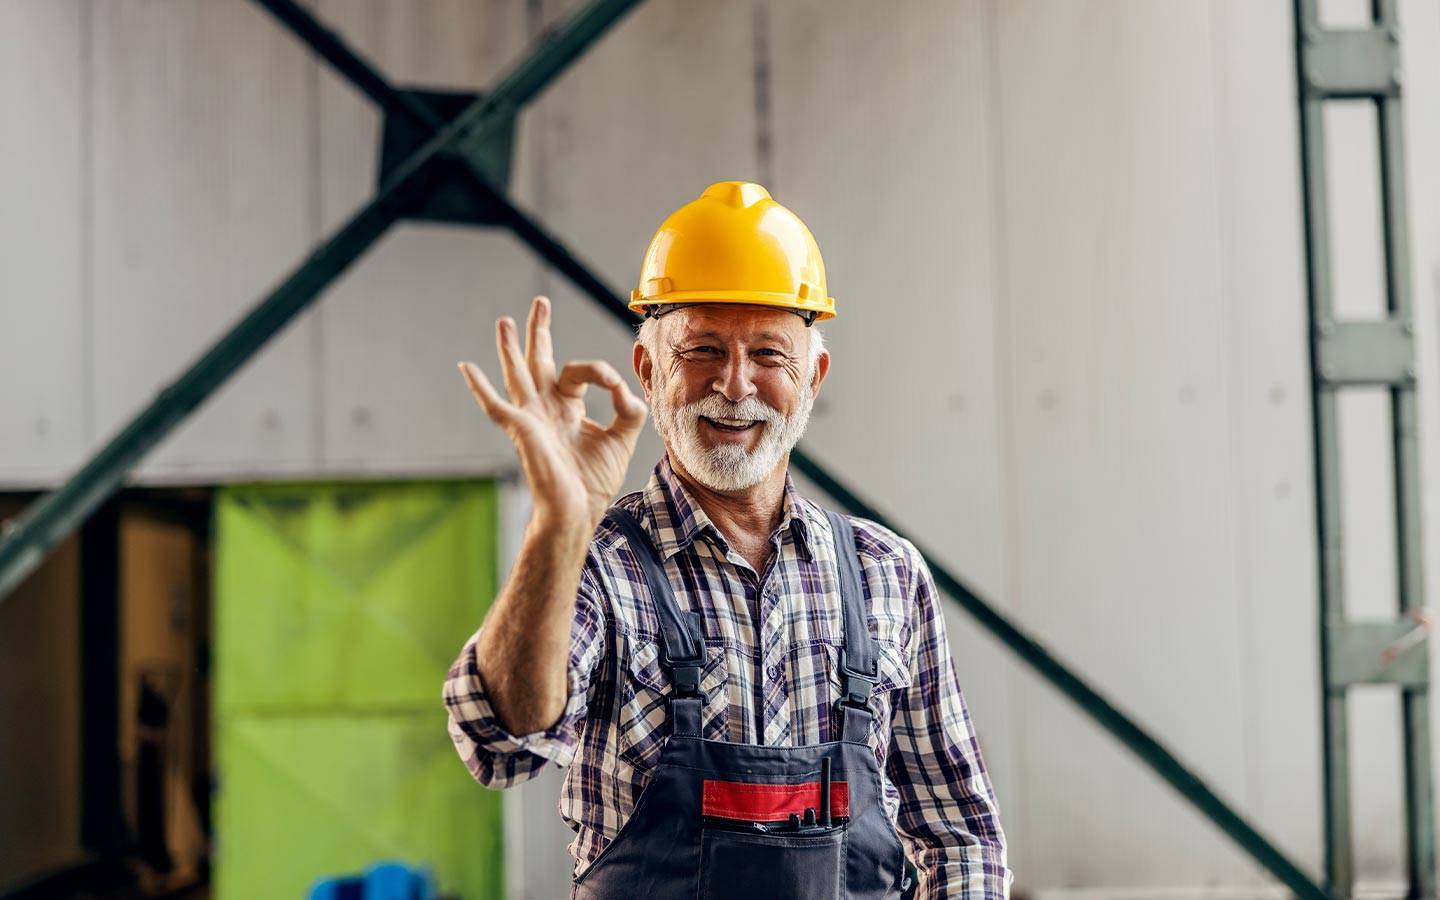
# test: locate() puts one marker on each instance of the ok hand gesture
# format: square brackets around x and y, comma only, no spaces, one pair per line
[574,465]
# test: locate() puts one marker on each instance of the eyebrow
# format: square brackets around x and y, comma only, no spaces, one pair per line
[717,336]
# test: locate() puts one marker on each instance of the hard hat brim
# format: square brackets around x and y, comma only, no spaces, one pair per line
[823,309]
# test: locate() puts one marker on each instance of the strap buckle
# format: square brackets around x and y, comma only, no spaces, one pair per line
[855,689]
[857,692]
[685,676]
[684,670]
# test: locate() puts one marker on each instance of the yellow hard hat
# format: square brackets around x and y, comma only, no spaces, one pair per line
[734,244]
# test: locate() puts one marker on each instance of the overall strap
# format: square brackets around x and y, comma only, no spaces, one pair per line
[859,667]
[682,644]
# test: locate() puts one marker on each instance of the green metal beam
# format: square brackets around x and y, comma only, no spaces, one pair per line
[32,536]
[348,63]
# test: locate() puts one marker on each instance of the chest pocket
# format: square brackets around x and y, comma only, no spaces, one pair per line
[644,696]
[893,674]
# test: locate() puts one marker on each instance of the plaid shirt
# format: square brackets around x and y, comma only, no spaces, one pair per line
[772,642]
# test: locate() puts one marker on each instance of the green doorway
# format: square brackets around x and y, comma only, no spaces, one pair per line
[338,610]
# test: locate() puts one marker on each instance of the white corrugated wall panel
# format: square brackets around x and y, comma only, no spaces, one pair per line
[44,312]
[1120,429]
[203,187]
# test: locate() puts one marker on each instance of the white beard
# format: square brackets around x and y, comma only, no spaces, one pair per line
[728,467]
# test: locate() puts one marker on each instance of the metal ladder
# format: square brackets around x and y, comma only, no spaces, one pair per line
[1364,64]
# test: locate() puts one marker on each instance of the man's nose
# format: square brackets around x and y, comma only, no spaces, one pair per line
[734,380]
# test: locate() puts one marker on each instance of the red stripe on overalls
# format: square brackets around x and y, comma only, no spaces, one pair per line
[769,802]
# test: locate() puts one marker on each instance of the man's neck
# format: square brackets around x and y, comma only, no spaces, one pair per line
[746,518]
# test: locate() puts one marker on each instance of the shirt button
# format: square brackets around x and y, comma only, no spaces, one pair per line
[773,671]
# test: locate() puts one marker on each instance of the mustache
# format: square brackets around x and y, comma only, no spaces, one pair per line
[716,406]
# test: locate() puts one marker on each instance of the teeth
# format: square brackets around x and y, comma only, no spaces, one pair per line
[735,423]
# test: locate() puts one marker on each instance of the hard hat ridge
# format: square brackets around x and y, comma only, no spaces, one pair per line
[741,194]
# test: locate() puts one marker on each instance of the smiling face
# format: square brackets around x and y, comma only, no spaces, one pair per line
[730,387]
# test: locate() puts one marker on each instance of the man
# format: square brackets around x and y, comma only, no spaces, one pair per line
[754,698]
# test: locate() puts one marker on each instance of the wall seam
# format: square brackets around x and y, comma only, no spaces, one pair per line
[539,183]
[764,126]
[1010,542]
[89,426]
[315,136]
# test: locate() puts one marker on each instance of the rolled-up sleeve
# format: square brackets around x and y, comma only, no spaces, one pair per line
[497,758]
[948,816]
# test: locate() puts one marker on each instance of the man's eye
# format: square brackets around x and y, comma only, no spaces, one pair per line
[705,349]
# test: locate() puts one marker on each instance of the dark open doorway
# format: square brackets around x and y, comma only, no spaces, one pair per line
[104,706]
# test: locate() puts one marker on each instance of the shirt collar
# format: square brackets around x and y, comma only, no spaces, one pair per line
[676,518]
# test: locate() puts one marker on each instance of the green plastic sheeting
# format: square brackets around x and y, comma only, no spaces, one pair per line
[339,608]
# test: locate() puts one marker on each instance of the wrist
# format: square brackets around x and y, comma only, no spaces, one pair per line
[567,526]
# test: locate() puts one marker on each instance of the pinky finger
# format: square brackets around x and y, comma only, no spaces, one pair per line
[497,408]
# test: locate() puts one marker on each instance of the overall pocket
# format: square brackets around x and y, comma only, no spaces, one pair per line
[758,866]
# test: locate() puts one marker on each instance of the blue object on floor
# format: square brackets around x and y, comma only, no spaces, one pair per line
[382,881]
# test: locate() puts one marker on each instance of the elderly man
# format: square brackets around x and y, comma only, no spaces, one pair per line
[754,696]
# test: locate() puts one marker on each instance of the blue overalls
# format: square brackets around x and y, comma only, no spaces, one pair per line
[722,820]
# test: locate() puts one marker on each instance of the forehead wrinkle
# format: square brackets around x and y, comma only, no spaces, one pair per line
[692,334]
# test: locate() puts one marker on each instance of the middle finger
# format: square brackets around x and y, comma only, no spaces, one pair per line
[538,350]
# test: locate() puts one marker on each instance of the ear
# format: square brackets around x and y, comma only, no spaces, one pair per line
[644,366]
[822,368]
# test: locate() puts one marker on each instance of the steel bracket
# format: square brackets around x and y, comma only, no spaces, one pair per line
[1366,353]
[1360,653]
[1352,62]
[449,194]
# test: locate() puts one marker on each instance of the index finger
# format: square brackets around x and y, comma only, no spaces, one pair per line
[576,375]
[629,411]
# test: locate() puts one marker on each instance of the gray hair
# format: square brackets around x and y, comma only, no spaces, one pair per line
[648,334]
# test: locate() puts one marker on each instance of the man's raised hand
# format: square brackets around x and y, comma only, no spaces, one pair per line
[574,465]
